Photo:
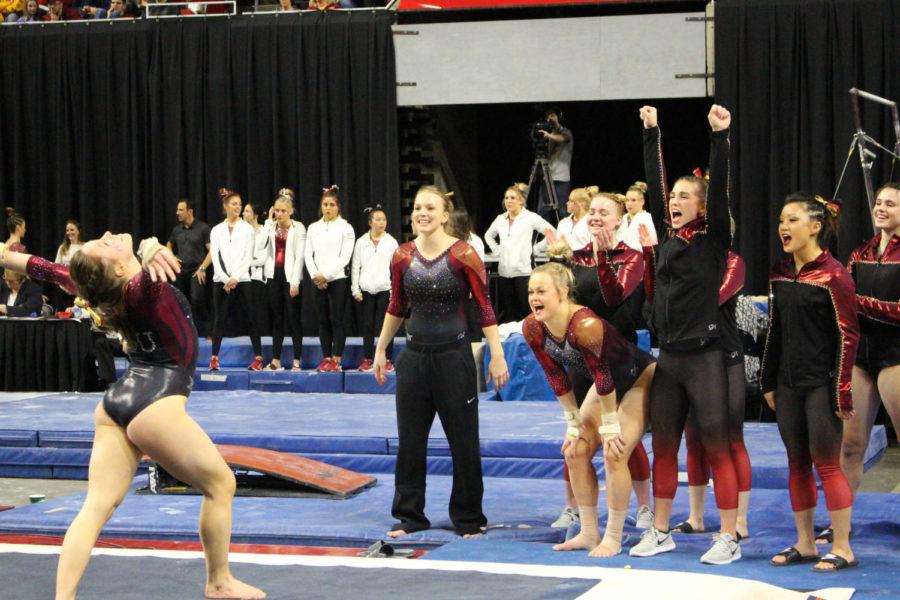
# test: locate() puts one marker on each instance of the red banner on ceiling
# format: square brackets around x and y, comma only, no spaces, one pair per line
[439,4]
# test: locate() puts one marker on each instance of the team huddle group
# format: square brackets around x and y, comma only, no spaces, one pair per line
[831,356]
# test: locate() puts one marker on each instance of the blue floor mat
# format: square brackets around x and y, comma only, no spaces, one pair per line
[876,544]
[523,509]
[524,437]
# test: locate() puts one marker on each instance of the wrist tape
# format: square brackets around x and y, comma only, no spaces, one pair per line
[148,249]
[573,424]
[609,424]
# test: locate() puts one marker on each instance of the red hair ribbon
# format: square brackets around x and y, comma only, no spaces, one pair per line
[832,208]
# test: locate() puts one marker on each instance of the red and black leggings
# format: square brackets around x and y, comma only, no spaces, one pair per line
[811,433]
[691,380]
[697,465]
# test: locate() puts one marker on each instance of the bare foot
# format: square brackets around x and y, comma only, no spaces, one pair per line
[606,549]
[582,541]
[233,589]
[395,533]
[472,535]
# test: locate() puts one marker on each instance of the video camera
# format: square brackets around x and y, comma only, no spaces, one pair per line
[539,142]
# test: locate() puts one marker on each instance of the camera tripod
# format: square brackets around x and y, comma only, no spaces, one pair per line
[540,173]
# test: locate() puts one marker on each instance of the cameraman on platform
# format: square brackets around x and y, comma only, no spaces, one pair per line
[560,143]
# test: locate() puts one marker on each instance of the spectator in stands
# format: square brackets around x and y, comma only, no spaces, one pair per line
[329,248]
[30,13]
[510,236]
[285,6]
[57,11]
[285,245]
[635,216]
[100,9]
[9,8]
[189,242]
[71,243]
[19,296]
[158,11]
[370,277]
[231,248]
[15,225]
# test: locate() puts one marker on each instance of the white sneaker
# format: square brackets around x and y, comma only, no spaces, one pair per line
[566,518]
[653,542]
[725,550]
[644,518]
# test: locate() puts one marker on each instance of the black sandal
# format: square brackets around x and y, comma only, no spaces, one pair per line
[685,527]
[792,556]
[839,563]
[826,536]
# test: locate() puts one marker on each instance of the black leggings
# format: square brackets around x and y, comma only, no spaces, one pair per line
[812,433]
[697,465]
[371,313]
[284,310]
[691,381]
[513,292]
[330,304]
[438,380]
[222,303]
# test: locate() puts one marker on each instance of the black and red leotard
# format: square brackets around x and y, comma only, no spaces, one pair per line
[877,293]
[435,292]
[164,355]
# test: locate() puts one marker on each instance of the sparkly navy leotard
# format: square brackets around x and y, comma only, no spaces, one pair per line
[164,355]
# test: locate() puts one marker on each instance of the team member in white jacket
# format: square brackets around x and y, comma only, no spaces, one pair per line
[286,243]
[260,303]
[635,216]
[231,251]
[511,235]
[573,229]
[370,282]
[329,248]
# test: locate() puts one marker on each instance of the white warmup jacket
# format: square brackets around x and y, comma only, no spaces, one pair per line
[514,242]
[329,248]
[628,232]
[370,269]
[294,250]
[231,251]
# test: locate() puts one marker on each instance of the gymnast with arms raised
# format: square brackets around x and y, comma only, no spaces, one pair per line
[144,412]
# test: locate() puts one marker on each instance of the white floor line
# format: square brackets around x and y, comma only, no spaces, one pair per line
[624,583]
[13,396]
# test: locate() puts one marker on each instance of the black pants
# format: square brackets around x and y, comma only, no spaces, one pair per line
[438,380]
[330,304]
[284,310]
[370,314]
[222,304]
[513,292]
[195,292]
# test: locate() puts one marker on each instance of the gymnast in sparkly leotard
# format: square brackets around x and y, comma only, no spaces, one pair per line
[143,412]
[564,335]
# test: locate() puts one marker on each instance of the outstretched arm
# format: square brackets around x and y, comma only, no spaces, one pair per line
[37,268]
[718,198]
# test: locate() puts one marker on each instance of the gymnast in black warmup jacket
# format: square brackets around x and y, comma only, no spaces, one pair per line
[143,412]
[431,279]
[690,373]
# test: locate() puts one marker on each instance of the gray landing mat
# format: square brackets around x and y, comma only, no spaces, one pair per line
[136,578]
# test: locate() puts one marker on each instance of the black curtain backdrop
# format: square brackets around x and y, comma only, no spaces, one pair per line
[784,68]
[111,123]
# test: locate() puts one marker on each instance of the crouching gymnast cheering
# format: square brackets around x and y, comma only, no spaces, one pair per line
[143,412]
[564,334]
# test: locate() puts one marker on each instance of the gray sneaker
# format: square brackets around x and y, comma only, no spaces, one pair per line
[644,518]
[725,550]
[568,516]
[653,542]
